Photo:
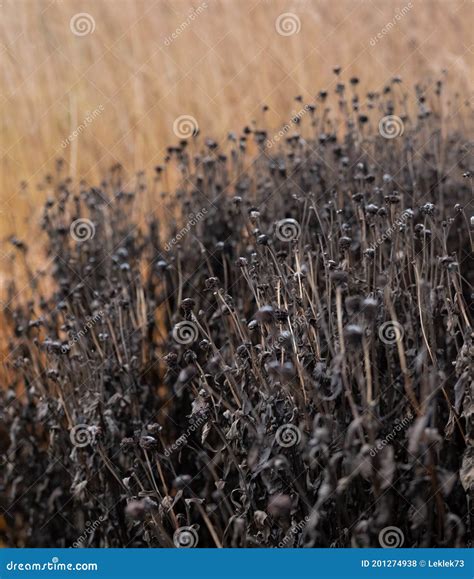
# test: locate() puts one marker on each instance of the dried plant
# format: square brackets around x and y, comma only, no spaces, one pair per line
[293,369]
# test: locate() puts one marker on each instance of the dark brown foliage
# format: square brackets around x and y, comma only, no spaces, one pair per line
[295,370]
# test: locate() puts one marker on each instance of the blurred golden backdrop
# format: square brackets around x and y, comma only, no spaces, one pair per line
[119,72]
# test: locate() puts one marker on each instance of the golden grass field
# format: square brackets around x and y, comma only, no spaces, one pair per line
[223,63]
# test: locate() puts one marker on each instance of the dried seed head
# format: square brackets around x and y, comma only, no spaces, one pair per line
[187,304]
[138,509]
[353,304]
[127,443]
[265,314]
[280,506]
[148,442]
[354,334]
[369,308]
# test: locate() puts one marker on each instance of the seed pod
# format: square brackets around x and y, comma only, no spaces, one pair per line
[280,506]
[265,314]
[369,308]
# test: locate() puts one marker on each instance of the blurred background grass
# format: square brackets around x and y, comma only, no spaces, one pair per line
[222,65]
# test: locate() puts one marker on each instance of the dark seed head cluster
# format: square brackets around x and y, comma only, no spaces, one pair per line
[280,354]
